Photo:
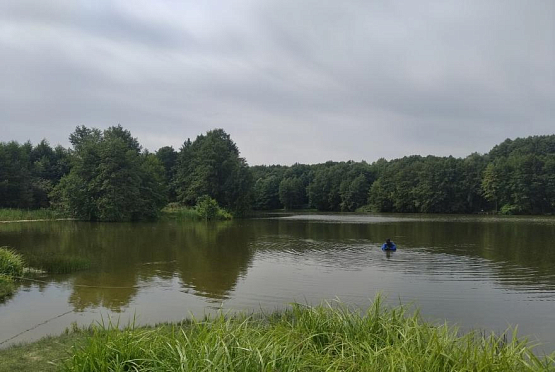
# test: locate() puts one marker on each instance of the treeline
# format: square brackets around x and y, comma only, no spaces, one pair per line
[515,177]
[107,176]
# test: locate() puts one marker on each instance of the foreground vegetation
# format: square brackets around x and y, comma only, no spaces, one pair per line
[44,355]
[302,338]
[108,176]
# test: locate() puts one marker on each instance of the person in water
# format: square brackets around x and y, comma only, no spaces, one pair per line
[389,246]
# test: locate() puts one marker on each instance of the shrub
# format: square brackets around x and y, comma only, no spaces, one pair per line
[509,209]
[208,209]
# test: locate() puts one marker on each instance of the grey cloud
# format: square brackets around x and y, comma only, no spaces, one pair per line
[290,81]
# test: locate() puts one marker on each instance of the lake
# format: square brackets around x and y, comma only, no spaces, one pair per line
[484,272]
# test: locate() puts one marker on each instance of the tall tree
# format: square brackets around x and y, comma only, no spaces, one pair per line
[291,192]
[111,180]
[211,166]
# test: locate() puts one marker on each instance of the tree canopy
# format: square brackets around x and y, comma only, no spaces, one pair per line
[107,176]
[211,166]
[110,178]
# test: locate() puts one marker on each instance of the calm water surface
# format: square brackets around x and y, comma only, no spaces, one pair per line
[476,271]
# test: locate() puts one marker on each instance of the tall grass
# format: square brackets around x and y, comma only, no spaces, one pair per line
[55,263]
[322,338]
[11,265]
[11,262]
[183,213]
[28,214]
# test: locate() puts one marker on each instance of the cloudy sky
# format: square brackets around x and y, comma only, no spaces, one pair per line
[291,81]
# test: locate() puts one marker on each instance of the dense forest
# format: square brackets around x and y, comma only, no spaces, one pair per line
[108,176]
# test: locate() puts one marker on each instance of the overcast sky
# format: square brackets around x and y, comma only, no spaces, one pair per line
[291,81]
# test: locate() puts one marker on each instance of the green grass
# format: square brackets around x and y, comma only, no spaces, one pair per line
[29,214]
[302,338]
[45,355]
[322,338]
[55,263]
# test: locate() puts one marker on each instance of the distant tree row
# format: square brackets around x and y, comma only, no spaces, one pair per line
[107,176]
[28,174]
[515,177]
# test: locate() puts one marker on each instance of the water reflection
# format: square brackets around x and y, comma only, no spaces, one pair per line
[207,258]
[474,263]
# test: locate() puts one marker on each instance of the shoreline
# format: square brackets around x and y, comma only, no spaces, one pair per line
[298,338]
[39,220]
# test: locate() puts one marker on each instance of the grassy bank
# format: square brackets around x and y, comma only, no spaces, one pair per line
[29,214]
[322,338]
[45,355]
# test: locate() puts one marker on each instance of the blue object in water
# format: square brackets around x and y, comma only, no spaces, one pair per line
[392,247]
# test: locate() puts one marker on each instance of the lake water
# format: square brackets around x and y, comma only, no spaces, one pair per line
[481,272]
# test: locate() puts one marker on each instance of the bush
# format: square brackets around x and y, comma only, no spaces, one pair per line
[208,209]
[509,209]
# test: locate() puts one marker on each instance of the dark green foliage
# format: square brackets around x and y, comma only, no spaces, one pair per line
[519,178]
[168,158]
[28,174]
[428,185]
[292,192]
[516,177]
[110,180]
[266,193]
[340,186]
[211,166]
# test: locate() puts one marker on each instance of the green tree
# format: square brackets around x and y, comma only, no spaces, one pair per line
[211,166]
[490,185]
[266,193]
[355,195]
[291,191]
[16,180]
[168,158]
[111,180]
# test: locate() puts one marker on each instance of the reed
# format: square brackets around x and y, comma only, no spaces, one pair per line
[302,338]
[28,214]
[58,263]
[183,213]
[11,267]
[7,286]
[11,262]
